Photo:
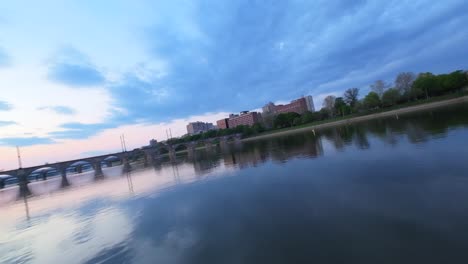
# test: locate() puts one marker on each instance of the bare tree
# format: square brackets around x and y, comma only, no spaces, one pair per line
[379,87]
[404,81]
[351,95]
[329,103]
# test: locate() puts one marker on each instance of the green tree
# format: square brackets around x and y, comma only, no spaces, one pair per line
[454,81]
[307,117]
[390,97]
[426,84]
[285,119]
[372,100]
[297,121]
[258,128]
[340,106]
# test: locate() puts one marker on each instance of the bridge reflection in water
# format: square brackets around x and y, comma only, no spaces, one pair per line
[43,179]
[183,166]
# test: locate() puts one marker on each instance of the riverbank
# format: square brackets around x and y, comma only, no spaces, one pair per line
[355,119]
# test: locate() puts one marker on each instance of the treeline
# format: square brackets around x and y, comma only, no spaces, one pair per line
[245,131]
[406,88]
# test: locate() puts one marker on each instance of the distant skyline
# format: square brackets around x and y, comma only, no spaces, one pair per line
[74,75]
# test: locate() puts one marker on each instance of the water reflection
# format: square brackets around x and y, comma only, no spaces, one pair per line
[384,191]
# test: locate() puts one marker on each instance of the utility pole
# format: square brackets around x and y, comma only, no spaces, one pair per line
[121,144]
[124,143]
[170,132]
[19,157]
[167,135]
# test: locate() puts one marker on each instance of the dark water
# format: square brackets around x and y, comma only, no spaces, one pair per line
[385,191]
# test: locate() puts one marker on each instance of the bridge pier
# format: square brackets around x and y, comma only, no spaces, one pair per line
[172,155]
[148,159]
[191,151]
[23,183]
[208,146]
[98,170]
[223,145]
[126,165]
[63,173]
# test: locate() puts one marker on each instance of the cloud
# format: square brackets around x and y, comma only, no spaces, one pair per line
[4,58]
[70,67]
[6,123]
[25,141]
[239,55]
[79,130]
[76,75]
[4,106]
[59,109]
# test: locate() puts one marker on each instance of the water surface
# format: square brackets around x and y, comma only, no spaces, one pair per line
[385,191]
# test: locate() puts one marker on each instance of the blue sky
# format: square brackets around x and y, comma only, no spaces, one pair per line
[70,70]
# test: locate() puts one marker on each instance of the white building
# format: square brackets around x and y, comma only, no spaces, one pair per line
[199,127]
[310,103]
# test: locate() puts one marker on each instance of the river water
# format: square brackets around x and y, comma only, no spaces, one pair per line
[384,191]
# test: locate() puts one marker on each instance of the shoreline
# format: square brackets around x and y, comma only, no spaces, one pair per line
[347,121]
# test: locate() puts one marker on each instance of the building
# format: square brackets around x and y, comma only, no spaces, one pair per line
[245,118]
[299,106]
[153,143]
[269,108]
[310,103]
[223,123]
[199,127]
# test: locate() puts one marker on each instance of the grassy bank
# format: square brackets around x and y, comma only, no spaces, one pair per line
[409,107]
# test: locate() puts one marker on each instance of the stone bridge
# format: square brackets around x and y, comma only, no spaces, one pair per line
[97,162]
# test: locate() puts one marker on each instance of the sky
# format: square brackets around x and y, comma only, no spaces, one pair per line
[75,75]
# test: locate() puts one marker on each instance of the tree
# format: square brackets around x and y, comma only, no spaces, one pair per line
[379,87]
[427,84]
[329,103]
[340,106]
[390,97]
[285,119]
[307,117]
[297,121]
[372,100]
[453,81]
[351,95]
[404,81]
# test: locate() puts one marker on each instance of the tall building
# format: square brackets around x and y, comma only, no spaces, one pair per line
[299,106]
[310,103]
[245,118]
[223,123]
[199,127]
[269,108]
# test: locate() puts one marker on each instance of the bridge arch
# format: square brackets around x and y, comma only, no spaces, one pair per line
[164,149]
[79,167]
[111,161]
[7,180]
[43,173]
[181,147]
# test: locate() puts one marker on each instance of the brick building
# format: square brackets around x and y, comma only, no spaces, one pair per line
[298,106]
[223,123]
[245,118]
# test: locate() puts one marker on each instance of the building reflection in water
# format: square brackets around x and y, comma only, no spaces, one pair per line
[414,129]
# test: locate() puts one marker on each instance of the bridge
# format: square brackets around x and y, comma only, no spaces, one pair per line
[23,175]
